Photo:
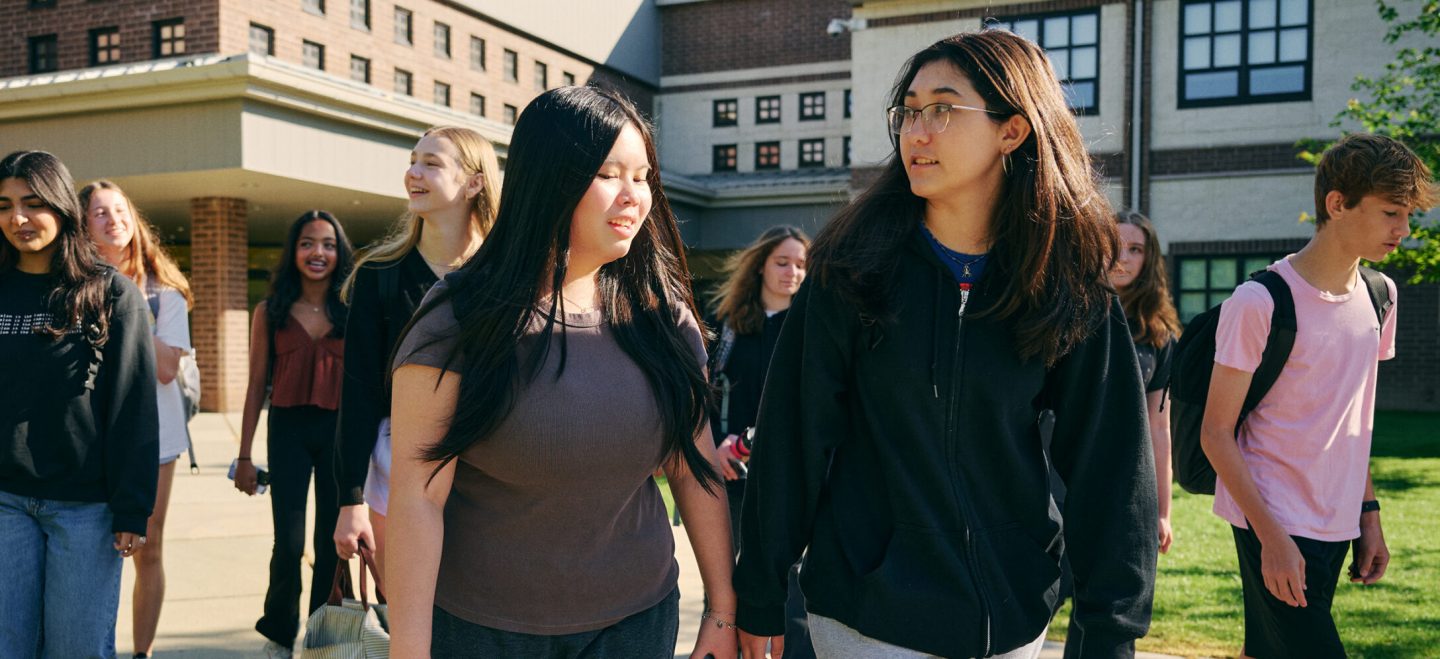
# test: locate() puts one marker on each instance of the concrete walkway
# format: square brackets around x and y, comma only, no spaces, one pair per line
[217,552]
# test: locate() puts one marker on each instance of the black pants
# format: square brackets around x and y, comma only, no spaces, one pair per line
[1276,630]
[649,634]
[301,441]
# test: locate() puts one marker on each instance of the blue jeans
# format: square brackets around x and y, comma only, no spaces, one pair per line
[61,595]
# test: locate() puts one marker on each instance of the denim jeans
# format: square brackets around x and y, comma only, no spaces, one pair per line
[649,634]
[62,591]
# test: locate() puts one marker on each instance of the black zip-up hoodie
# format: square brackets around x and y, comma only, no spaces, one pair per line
[909,463]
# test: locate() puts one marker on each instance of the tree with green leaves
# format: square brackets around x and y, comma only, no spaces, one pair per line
[1404,103]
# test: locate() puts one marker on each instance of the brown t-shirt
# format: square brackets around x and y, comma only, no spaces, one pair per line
[554,524]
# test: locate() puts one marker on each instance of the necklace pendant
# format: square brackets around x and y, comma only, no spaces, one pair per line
[966,266]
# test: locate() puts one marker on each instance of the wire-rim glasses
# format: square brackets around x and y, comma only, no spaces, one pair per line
[935,115]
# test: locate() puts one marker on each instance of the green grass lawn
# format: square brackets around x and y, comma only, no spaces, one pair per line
[1197,592]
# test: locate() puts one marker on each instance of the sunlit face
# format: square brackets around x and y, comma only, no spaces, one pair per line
[784,269]
[615,206]
[1373,228]
[29,225]
[966,154]
[109,220]
[316,250]
[435,180]
[1132,256]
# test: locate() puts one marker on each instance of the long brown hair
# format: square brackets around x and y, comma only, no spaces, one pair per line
[144,256]
[1146,300]
[737,301]
[477,156]
[1053,238]
[81,296]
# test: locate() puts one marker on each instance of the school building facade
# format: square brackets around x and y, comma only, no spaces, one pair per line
[226,119]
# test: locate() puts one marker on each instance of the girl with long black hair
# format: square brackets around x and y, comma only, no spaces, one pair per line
[542,385]
[297,343]
[961,294]
[78,461]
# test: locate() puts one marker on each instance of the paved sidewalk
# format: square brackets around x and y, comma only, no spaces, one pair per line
[217,552]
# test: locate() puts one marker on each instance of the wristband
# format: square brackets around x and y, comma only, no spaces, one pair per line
[245,458]
[1371,506]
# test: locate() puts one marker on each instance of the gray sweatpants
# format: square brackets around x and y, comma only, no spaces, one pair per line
[834,640]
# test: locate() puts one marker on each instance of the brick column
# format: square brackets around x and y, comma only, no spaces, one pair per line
[221,323]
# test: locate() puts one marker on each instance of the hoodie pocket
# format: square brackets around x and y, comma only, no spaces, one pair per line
[922,593]
[1022,580]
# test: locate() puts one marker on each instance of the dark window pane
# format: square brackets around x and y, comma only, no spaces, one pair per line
[1192,274]
[1191,305]
[1222,274]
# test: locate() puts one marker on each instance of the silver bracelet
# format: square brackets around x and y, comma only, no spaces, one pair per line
[719,623]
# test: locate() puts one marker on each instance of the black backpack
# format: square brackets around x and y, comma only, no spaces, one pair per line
[1195,360]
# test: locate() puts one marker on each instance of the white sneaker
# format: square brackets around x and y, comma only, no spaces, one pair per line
[274,650]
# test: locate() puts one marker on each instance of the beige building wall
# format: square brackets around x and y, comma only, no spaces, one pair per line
[1237,207]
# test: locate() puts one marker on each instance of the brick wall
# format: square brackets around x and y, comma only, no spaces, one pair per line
[72,20]
[723,35]
[220,330]
[1411,381]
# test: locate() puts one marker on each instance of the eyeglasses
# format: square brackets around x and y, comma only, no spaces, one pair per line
[936,116]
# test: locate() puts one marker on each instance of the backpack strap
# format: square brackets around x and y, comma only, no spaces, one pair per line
[389,289]
[1379,293]
[1277,347]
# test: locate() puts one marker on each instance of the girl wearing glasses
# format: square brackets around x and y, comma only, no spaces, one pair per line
[959,296]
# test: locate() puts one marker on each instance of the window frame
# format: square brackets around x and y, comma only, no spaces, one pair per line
[33,55]
[1243,69]
[305,45]
[812,142]
[567,78]
[360,20]
[316,7]
[1008,23]
[363,60]
[159,42]
[760,148]
[478,55]
[760,109]
[436,90]
[269,33]
[442,28]
[1244,263]
[510,61]
[475,96]
[409,82]
[409,23]
[510,114]
[731,158]
[542,76]
[111,49]
[718,118]
[814,114]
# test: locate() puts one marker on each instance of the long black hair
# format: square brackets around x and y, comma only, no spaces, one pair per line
[1054,237]
[81,288]
[513,283]
[285,280]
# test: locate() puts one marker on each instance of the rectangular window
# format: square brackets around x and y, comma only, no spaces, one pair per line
[262,40]
[848,104]
[44,53]
[1205,281]
[1072,40]
[1244,51]
[812,106]
[360,69]
[360,14]
[512,66]
[314,6]
[726,157]
[41,4]
[404,82]
[767,111]
[442,40]
[846,151]
[104,46]
[812,153]
[726,112]
[767,155]
[510,114]
[404,26]
[568,79]
[477,104]
[542,77]
[442,94]
[312,55]
[477,53]
[169,36]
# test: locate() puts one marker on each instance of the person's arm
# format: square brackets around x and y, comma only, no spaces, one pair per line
[172,335]
[362,406]
[131,426]
[416,520]
[804,416]
[1371,556]
[254,399]
[1159,415]
[707,523]
[1101,451]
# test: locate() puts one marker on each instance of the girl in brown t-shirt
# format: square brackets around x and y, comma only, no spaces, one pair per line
[297,347]
[536,392]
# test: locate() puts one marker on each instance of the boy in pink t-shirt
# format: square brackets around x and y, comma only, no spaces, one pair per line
[1294,482]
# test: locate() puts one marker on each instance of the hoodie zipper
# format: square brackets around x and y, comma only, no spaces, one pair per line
[970,551]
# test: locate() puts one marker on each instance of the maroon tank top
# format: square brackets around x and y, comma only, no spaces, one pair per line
[306,371]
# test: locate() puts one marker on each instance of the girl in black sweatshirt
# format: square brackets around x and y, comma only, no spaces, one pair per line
[955,299]
[78,426]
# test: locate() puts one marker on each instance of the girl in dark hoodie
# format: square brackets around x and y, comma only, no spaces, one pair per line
[959,296]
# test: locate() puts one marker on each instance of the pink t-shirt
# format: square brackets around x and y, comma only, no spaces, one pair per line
[1307,444]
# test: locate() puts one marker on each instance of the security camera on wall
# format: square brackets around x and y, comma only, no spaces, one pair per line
[836,27]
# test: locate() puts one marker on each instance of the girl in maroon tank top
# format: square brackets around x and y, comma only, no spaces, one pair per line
[297,348]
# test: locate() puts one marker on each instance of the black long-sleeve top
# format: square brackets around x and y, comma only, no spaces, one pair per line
[906,456]
[745,371]
[60,440]
[381,304]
